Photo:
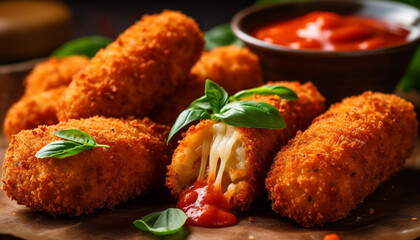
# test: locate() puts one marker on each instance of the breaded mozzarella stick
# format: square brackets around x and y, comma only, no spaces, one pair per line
[345,154]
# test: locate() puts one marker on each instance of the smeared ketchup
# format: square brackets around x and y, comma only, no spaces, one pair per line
[331,32]
[205,206]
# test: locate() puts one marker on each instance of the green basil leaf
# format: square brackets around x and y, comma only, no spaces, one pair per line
[221,35]
[251,114]
[201,102]
[79,142]
[282,92]
[87,46]
[187,116]
[216,95]
[414,3]
[411,79]
[75,135]
[62,149]
[162,223]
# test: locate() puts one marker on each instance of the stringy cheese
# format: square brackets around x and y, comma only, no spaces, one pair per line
[223,153]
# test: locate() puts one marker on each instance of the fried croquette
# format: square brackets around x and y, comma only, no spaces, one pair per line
[341,158]
[136,72]
[53,73]
[231,67]
[32,110]
[245,153]
[97,178]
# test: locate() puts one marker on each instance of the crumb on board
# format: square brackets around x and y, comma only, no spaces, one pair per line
[358,218]
[250,219]
[371,211]
[250,237]
[414,219]
[331,236]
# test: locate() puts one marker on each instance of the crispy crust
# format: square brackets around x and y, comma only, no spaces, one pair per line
[232,67]
[261,144]
[93,179]
[342,157]
[53,73]
[31,111]
[137,71]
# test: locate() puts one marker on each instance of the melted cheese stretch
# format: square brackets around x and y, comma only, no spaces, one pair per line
[216,150]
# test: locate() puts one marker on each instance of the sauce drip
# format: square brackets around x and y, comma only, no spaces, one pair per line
[206,206]
[331,32]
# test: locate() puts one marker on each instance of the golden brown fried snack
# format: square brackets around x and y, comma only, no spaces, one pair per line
[93,179]
[131,75]
[247,152]
[231,67]
[342,157]
[53,73]
[32,110]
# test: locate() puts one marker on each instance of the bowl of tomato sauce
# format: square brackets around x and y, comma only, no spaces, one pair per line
[345,47]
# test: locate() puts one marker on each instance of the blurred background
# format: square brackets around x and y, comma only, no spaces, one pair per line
[33,30]
[30,30]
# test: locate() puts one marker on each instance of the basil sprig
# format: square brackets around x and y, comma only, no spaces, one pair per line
[216,105]
[221,35]
[162,223]
[87,46]
[79,141]
[281,91]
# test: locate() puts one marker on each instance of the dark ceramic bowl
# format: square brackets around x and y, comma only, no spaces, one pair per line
[336,74]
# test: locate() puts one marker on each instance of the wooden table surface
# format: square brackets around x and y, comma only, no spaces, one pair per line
[395,203]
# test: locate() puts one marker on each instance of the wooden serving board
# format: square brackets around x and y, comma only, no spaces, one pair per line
[395,204]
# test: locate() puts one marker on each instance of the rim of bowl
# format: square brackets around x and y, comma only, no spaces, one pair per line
[247,38]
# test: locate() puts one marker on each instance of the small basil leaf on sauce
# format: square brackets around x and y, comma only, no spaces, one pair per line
[79,142]
[187,116]
[166,222]
[251,114]
[87,46]
[282,92]
[216,95]
[221,35]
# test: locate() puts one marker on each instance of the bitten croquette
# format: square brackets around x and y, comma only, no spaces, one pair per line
[97,178]
[327,170]
[251,150]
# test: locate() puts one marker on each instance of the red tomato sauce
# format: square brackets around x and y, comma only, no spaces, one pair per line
[331,32]
[205,206]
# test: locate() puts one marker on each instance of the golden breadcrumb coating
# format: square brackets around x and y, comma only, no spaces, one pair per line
[232,67]
[97,178]
[254,153]
[341,158]
[31,111]
[137,71]
[53,73]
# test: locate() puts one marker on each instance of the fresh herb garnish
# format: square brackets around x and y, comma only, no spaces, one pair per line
[281,91]
[166,222]
[221,35]
[216,105]
[79,141]
[87,46]
[411,80]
